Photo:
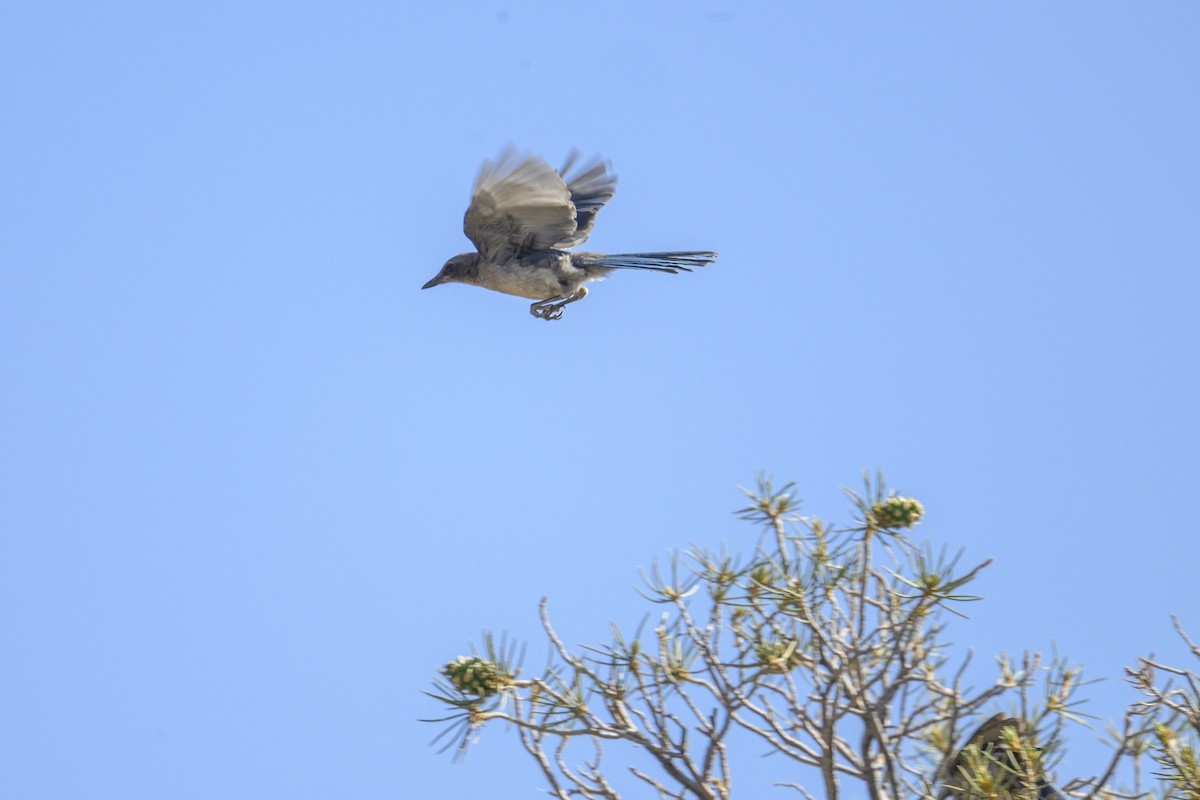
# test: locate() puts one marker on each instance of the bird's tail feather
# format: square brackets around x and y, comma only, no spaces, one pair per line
[684,261]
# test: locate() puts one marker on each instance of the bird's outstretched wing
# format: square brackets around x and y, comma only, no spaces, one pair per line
[520,203]
[591,187]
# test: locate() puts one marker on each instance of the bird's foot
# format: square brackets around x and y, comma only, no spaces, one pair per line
[547,310]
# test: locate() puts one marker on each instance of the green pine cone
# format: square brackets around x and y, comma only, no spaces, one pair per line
[475,675]
[898,512]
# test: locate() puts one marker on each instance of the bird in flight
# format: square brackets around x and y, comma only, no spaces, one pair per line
[525,216]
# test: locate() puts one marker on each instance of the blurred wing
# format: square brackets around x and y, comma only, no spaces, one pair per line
[591,187]
[519,204]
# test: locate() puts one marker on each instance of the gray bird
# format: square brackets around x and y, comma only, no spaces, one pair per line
[1005,765]
[524,217]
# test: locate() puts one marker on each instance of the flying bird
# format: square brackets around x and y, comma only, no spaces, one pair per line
[524,217]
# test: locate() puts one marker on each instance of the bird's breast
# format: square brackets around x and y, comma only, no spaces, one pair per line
[532,278]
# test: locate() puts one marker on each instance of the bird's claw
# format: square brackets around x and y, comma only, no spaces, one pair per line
[548,311]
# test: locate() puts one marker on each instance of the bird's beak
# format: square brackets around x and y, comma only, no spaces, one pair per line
[434,281]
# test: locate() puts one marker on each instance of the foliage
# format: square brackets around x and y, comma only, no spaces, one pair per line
[825,647]
[1174,707]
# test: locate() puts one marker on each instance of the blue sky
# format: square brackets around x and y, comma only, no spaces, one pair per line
[257,486]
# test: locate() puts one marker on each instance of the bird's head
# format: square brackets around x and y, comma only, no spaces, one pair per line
[460,269]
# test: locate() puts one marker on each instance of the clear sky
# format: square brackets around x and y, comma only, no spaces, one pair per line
[257,486]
